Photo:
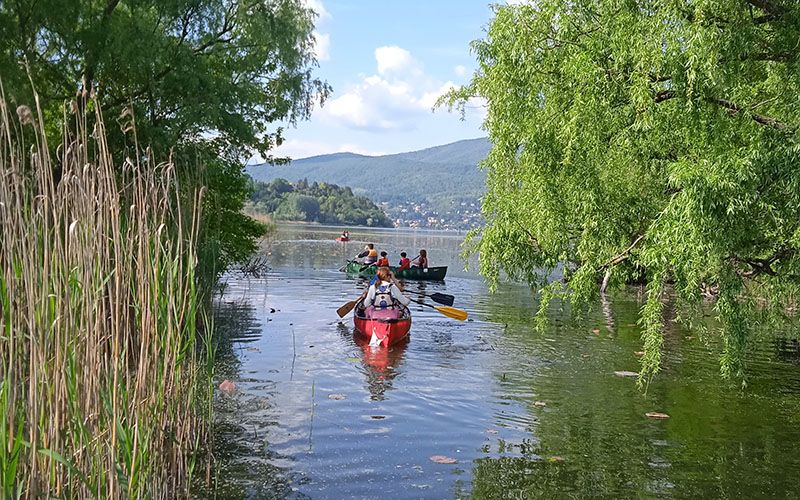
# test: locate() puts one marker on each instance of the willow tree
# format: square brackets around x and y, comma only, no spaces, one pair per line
[651,141]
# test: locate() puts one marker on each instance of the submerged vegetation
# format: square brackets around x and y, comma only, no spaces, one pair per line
[99,392]
[646,142]
[315,202]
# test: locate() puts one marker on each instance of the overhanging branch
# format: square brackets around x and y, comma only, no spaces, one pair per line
[734,109]
[622,256]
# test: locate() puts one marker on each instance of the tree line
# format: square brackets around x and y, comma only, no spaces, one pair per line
[315,202]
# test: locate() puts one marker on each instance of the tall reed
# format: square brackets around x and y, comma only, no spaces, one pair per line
[99,383]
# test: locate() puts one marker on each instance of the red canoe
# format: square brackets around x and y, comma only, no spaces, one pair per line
[384,332]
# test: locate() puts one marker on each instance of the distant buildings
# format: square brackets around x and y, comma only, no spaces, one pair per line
[462,216]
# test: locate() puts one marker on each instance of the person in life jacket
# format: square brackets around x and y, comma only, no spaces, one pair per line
[383,261]
[384,298]
[405,262]
[369,254]
[421,260]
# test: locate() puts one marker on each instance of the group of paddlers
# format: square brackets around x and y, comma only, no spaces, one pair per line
[384,299]
[370,257]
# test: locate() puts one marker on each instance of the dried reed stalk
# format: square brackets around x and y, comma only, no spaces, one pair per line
[99,370]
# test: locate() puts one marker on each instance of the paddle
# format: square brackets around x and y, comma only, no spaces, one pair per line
[363,266]
[441,298]
[346,308]
[450,312]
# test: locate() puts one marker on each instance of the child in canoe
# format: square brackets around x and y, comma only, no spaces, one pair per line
[383,261]
[421,260]
[384,299]
[405,262]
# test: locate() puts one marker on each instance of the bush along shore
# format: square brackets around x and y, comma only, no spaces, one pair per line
[104,385]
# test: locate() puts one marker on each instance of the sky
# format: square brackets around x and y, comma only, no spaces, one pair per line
[387,62]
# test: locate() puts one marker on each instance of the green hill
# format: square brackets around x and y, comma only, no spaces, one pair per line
[315,202]
[443,176]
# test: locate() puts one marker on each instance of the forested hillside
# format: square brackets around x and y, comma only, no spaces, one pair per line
[317,202]
[443,176]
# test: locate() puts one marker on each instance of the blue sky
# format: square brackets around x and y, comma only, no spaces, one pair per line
[387,62]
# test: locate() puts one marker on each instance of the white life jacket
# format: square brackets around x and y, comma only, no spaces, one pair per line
[383,297]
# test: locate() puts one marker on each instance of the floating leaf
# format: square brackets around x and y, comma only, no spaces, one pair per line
[441,459]
[625,373]
[227,387]
[336,397]
[655,414]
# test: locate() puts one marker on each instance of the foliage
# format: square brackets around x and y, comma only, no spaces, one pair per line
[318,202]
[203,78]
[643,140]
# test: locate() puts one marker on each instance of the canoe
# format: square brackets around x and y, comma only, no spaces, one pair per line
[414,273]
[340,238]
[383,332]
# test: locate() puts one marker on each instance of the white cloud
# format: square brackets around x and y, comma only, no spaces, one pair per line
[428,99]
[396,98]
[322,41]
[395,60]
[460,70]
[322,46]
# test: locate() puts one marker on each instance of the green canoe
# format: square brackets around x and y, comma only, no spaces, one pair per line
[414,273]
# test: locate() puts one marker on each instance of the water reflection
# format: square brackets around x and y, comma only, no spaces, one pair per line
[381,364]
[239,448]
[525,413]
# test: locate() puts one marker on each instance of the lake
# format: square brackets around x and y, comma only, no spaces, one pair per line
[522,413]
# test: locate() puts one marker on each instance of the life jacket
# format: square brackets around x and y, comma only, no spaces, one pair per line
[405,263]
[383,262]
[383,296]
[372,256]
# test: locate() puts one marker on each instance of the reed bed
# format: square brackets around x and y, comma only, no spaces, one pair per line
[101,388]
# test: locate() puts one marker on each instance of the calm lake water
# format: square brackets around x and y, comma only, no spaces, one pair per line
[524,413]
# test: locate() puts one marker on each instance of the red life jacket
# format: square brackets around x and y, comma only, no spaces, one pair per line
[405,263]
[383,262]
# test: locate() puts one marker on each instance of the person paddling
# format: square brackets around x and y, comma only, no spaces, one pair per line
[369,254]
[383,261]
[384,299]
[421,260]
[405,262]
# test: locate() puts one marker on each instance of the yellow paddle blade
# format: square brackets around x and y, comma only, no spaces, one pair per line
[452,312]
